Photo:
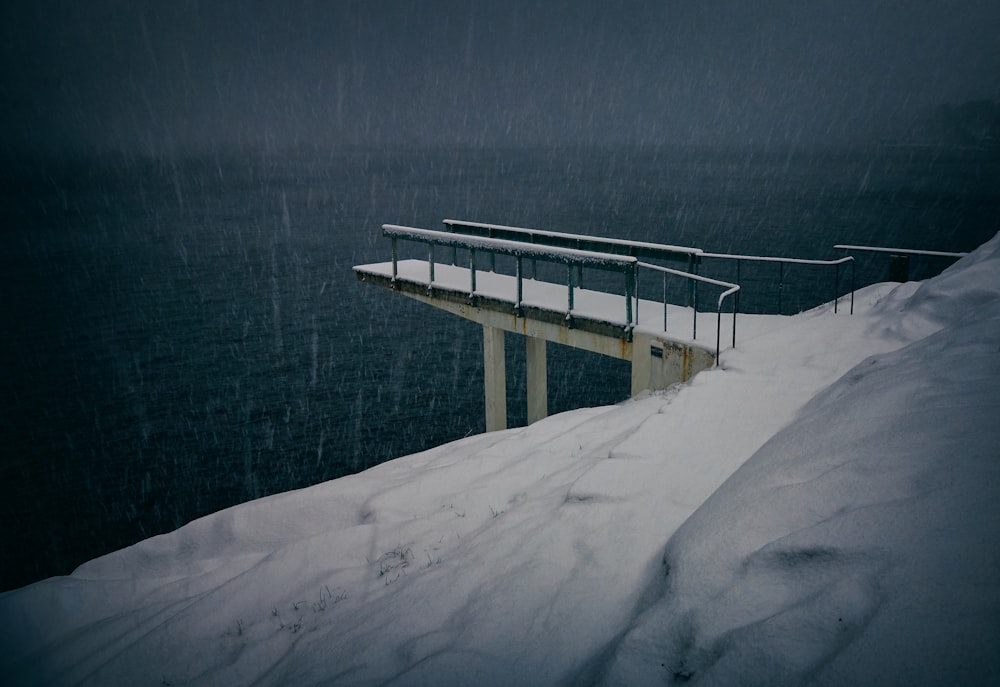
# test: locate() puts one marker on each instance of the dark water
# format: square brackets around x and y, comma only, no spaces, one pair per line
[182,335]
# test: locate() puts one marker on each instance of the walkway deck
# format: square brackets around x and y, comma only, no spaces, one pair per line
[593,311]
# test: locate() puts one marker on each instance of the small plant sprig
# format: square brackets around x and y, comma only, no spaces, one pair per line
[395,561]
[326,596]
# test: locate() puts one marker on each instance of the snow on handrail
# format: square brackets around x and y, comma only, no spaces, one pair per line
[533,234]
[571,257]
[901,251]
[507,247]
[772,258]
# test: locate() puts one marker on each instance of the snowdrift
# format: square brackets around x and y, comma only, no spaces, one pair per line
[819,511]
[859,545]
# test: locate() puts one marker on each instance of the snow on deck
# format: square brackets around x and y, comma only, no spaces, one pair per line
[600,306]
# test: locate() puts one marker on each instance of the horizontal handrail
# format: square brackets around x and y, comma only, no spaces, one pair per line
[580,241]
[901,251]
[773,258]
[730,290]
[571,257]
[506,247]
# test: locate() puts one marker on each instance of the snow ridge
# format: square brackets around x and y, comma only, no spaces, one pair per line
[858,546]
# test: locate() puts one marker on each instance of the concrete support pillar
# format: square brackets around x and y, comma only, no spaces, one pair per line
[495,378]
[537,382]
[642,362]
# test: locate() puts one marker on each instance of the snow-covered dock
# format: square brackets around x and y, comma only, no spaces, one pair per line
[659,338]
[615,324]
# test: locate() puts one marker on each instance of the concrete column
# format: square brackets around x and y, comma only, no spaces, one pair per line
[495,378]
[538,388]
[642,362]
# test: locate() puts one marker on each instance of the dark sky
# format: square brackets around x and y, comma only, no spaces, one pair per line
[173,76]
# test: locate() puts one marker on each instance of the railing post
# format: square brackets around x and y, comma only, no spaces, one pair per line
[739,266]
[430,263]
[472,274]
[454,249]
[520,286]
[664,301]
[852,286]
[718,331]
[781,283]
[395,261]
[493,256]
[631,287]
[534,264]
[694,312]
[836,287]
[693,269]
[734,321]
[569,278]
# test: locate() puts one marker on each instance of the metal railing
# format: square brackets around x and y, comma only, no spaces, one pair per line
[730,290]
[641,249]
[740,259]
[635,249]
[571,257]
[568,256]
[901,251]
[899,266]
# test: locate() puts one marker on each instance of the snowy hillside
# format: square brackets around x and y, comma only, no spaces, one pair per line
[823,510]
[860,544]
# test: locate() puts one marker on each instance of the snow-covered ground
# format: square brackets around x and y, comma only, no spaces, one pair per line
[823,511]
